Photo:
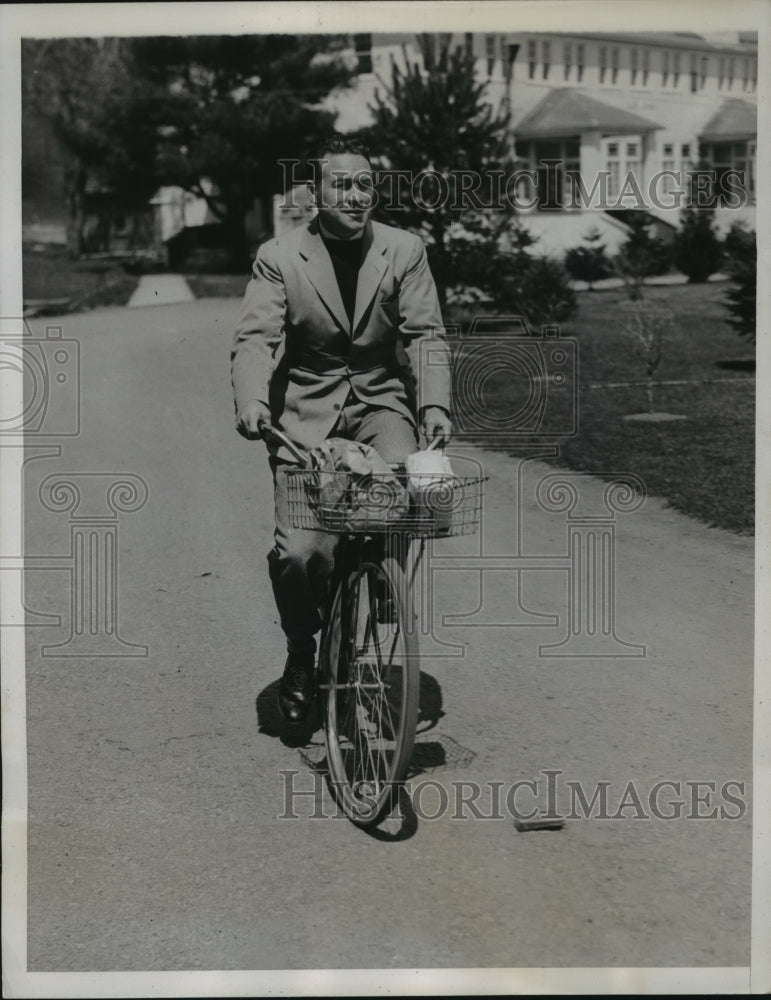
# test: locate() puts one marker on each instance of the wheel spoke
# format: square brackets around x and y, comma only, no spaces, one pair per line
[371,690]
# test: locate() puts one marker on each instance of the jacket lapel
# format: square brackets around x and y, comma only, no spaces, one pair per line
[321,274]
[373,267]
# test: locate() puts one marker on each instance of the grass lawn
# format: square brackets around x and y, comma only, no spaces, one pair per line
[225,286]
[87,284]
[704,466]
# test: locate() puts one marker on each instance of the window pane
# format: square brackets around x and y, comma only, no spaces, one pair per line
[363,46]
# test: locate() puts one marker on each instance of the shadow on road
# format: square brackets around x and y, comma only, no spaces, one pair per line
[402,823]
[271,722]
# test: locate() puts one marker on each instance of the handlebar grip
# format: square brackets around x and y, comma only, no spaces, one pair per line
[268,431]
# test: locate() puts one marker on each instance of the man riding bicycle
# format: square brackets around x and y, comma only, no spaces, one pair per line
[340,335]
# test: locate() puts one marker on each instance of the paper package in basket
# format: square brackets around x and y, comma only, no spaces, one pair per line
[432,485]
[352,487]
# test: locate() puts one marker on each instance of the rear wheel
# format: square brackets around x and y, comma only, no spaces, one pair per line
[370,680]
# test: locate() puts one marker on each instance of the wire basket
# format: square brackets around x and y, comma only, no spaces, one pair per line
[341,503]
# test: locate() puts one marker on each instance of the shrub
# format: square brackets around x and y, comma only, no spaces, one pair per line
[696,248]
[588,263]
[642,255]
[741,257]
[492,263]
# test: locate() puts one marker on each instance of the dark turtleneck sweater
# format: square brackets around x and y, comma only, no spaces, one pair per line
[346,260]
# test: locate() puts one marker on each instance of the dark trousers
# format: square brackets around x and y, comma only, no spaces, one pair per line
[300,561]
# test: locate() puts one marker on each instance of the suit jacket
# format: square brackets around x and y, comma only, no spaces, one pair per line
[296,351]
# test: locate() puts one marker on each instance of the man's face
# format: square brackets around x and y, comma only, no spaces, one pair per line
[345,195]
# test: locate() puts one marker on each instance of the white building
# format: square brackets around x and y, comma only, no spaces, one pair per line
[607,107]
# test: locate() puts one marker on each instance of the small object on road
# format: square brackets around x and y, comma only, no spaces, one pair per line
[542,823]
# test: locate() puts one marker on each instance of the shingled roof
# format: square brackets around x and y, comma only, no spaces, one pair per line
[567,111]
[734,121]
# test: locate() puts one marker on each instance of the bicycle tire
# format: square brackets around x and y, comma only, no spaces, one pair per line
[371,704]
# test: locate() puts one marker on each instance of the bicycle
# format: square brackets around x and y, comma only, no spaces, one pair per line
[367,677]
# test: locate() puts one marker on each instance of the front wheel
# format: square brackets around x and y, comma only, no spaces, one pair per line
[370,680]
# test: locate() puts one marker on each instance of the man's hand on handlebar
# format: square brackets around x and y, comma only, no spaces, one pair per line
[251,419]
[435,423]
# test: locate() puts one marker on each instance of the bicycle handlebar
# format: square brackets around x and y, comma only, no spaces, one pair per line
[278,436]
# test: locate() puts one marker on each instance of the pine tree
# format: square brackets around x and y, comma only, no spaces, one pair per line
[139,112]
[588,263]
[435,117]
[741,261]
[696,249]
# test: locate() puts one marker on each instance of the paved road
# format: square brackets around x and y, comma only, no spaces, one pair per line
[155,782]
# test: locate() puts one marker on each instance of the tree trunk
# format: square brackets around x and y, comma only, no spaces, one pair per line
[442,261]
[77,219]
[237,243]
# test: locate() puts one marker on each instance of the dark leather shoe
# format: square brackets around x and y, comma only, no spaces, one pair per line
[295,691]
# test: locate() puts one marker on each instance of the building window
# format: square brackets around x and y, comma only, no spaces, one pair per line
[668,163]
[720,72]
[633,162]
[613,164]
[580,56]
[754,75]
[557,164]
[704,66]
[634,66]
[664,68]
[468,39]
[546,51]
[746,76]
[622,158]
[531,57]
[646,66]
[490,53]
[363,46]
[731,69]
[567,59]
[694,75]
[614,65]
[675,68]
[603,62]
[736,158]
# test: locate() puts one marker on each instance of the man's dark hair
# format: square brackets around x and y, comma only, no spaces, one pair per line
[332,145]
